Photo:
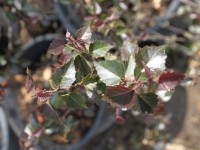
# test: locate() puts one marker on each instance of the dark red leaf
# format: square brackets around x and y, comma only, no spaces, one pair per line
[120,97]
[169,80]
[56,66]
[62,60]
[98,23]
[119,119]
[78,44]
[57,46]
[43,96]
[3,85]
[2,93]
[159,108]
[30,85]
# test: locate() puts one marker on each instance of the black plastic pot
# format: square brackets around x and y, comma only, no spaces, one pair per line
[4,142]
[30,54]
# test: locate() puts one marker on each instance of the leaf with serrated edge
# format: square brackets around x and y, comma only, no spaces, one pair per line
[169,80]
[90,78]
[75,100]
[99,48]
[57,101]
[30,85]
[110,71]
[56,47]
[82,65]
[43,96]
[154,57]
[147,102]
[84,34]
[48,111]
[120,97]
[130,68]
[127,50]
[65,76]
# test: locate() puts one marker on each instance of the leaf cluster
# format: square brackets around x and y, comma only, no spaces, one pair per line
[86,73]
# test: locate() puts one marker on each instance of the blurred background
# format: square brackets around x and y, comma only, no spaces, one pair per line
[27,27]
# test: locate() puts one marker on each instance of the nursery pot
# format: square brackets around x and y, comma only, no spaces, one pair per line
[4,142]
[33,51]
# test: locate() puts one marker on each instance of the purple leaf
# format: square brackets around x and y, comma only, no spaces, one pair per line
[30,85]
[119,119]
[78,44]
[61,60]
[169,80]
[57,46]
[43,96]
[120,97]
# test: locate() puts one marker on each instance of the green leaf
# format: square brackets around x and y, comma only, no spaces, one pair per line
[137,72]
[128,49]
[90,78]
[147,102]
[101,86]
[79,76]
[110,71]
[154,57]
[82,65]
[84,34]
[142,77]
[75,100]
[130,73]
[68,49]
[65,76]
[57,101]
[99,48]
